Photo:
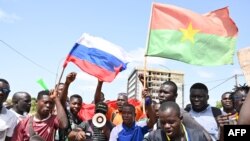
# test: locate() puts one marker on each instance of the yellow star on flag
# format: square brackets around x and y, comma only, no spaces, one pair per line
[189,33]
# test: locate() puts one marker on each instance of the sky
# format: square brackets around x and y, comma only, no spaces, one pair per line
[36,36]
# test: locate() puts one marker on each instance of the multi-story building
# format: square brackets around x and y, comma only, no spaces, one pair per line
[155,78]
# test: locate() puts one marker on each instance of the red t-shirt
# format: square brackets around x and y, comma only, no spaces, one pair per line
[45,128]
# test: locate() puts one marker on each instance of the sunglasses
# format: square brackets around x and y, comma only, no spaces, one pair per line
[5,90]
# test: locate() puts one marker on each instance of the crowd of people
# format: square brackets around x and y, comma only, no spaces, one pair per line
[57,115]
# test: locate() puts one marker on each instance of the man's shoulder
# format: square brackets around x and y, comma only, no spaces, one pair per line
[53,117]
[156,132]
[26,120]
[196,134]
[23,124]
[118,128]
[216,111]
[20,117]
[193,130]
[186,115]
[189,120]
[7,119]
[6,111]
[141,123]
[156,135]
[8,115]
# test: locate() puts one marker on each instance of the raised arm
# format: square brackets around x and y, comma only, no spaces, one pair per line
[149,109]
[69,79]
[61,115]
[141,78]
[98,92]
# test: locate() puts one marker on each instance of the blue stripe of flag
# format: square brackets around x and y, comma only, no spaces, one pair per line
[97,57]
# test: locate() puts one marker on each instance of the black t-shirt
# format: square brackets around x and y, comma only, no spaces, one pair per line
[74,122]
[97,133]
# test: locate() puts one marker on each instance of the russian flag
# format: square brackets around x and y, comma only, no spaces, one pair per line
[98,57]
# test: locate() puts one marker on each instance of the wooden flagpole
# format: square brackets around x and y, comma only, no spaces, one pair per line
[144,82]
[59,81]
[145,59]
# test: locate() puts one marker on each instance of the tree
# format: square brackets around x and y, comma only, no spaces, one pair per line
[33,106]
[218,104]
[8,103]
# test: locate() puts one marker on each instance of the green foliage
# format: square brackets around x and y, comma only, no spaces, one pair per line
[218,104]
[33,105]
[8,103]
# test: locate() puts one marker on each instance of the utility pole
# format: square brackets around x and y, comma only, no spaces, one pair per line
[183,104]
[236,79]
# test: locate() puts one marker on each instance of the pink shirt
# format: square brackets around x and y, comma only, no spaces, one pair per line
[45,128]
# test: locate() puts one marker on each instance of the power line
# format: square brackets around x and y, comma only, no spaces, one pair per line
[221,83]
[208,81]
[227,80]
[27,58]
[42,67]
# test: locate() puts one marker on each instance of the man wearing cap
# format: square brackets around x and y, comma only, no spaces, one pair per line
[115,115]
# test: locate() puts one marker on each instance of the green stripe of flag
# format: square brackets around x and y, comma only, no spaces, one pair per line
[207,49]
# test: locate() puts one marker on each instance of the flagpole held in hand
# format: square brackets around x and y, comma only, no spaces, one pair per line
[59,81]
[144,83]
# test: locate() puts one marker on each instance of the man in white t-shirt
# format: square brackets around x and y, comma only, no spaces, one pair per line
[202,112]
[8,120]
